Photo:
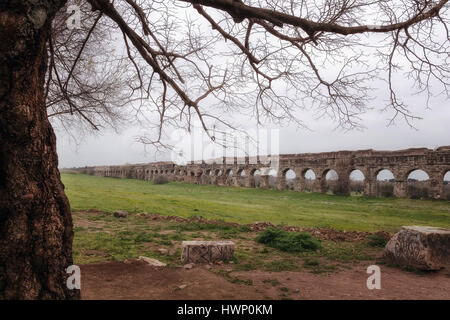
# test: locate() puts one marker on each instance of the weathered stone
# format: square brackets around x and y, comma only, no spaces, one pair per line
[163,251]
[188,266]
[206,251]
[152,262]
[434,162]
[120,214]
[423,248]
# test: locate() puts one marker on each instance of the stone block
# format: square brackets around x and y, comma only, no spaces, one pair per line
[423,248]
[120,214]
[152,262]
[206,251]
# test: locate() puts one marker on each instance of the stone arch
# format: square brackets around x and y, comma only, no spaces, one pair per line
[357,180]
[445,193]
[417,184]
[309,173]
[206,177]
[227,177]
[287,179]
[329,182]
[309,179]
[242,176]
[272,178]
[385,182]
[199,173]
[255,175]
[215,176]
[330,174]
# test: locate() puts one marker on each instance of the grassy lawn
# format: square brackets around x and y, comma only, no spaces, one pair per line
[245,205]
[102,237]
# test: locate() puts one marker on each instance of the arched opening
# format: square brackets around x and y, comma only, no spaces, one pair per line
[446,194]
[242,176]
[310,179]
[273,178]
[332,182]
[206,178]
[385,183]
[257,177]
[215,176]
[418,184]
[356,182]
[229,177]
[290,179]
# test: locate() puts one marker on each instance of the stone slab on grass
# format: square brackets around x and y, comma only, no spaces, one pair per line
[152,262]
[206,251]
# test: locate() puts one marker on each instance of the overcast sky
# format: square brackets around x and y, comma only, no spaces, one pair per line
[120,148]
[110,148]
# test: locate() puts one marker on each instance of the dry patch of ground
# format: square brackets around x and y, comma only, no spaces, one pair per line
[107,247]
[137,280]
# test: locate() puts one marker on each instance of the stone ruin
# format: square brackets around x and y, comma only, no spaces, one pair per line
[422,248]
[436,163]
[206,251]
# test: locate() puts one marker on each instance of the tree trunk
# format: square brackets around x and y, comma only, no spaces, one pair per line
[35,220]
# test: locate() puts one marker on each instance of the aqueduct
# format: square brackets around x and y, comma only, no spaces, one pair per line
[241,171]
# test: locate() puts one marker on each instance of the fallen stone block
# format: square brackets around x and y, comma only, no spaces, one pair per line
[188,266]
[163,251]
[206,251]
[152,262]
[420,247]
[120,214]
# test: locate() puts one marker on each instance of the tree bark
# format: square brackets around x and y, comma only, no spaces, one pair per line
[35,219]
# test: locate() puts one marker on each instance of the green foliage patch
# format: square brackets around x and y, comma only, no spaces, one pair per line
[288,241]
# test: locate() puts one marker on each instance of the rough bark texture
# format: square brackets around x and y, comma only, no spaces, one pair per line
[35,220]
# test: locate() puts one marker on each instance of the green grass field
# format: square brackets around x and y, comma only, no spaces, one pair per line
[245,205]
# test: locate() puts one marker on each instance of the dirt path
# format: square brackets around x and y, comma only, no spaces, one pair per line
[137,280]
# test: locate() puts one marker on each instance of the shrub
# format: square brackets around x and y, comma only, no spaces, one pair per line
[357,186]
[160,180]
[339,187]
[416,192]
[387,190]
[288,241]
[377,241]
